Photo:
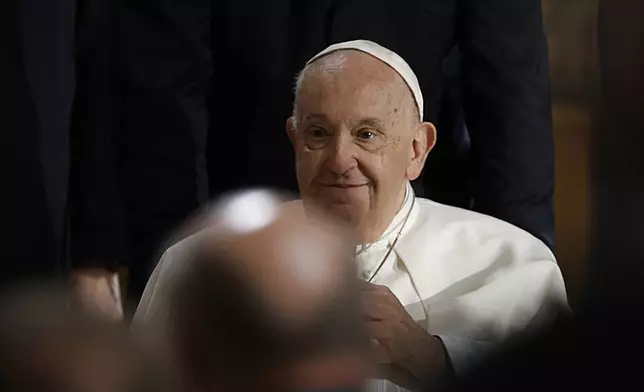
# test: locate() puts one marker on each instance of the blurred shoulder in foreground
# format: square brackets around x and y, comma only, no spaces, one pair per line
[49,343]
[264,298]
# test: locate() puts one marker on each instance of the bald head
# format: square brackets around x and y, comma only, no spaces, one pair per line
[265,291]
[294,261]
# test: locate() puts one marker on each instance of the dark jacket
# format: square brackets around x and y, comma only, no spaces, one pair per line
[54,98]
[163,65]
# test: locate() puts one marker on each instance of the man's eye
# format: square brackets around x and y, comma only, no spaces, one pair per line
[316,138]
[317,133]
[366,134]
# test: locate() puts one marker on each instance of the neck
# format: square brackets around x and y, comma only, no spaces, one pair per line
[372,231]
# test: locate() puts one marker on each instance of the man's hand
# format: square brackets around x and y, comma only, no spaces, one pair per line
[97,291]
[407,354]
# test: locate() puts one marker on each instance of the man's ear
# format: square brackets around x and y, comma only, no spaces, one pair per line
[290,129]
[423,142]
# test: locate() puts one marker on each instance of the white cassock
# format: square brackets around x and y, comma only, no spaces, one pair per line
[468,278]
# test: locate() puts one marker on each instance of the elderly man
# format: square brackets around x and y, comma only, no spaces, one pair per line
[359,139]
[442,285]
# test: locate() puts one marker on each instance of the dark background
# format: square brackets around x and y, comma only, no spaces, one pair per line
[572,27]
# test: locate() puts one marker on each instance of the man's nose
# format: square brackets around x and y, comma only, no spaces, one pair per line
[341,155]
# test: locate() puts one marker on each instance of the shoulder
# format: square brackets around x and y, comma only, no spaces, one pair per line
[465,228]
[182,245]
[445,246]
[152,308]
[175,256]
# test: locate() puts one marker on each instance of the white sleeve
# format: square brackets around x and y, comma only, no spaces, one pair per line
[518,301]
[152,311]
[151,287]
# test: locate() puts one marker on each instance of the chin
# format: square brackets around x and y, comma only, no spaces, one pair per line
[348,210]
[345,212]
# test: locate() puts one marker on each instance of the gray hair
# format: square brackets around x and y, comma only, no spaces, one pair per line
[336,63]
[297,86]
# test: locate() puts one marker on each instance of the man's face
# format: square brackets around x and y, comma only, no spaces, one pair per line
[354,130]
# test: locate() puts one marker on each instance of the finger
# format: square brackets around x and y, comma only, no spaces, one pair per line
[380,330]
[373,287]
[379,352]
[377,290]
[366,286]
[378,311]
[391,305]
[380,294]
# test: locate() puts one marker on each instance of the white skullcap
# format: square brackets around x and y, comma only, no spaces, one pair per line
[386,56]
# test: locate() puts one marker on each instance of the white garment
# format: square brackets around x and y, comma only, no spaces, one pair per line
[468,278]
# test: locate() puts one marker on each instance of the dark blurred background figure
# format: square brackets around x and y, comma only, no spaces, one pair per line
[63,214]
[93,188]
[599,349]
[619,166]
[266,301]
[49,343]
[162,67]
[224,71]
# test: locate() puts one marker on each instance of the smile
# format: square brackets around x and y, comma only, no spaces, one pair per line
[343,186]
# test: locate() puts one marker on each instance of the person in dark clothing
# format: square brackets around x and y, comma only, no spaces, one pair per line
[227,69]
[56,113]
[617,147]
[581,353]
[80,163]
[162,68]
[499,136]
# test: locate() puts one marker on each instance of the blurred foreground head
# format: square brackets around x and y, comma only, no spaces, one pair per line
[269,301]
[49,344]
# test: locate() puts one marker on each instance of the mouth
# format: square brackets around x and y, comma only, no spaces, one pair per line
[342,186]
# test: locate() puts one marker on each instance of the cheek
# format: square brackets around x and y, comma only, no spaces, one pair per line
[375,166]
[384,170]
[307,163]
[383,162]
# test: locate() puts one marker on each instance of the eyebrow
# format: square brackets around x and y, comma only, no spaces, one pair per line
[315,116]
[371,122]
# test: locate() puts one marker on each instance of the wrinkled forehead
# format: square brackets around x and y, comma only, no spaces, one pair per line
[354,82]
[356,61]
